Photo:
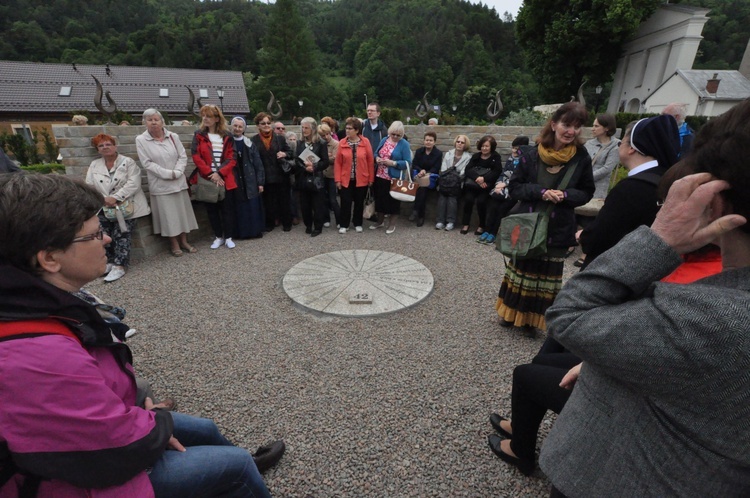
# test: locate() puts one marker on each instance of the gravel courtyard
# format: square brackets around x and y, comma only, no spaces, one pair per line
[391,406]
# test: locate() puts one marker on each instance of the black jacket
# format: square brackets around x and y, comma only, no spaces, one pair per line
[523,187]
[630,204]
[273,166]
[494,163]
[303,178]
[249,172]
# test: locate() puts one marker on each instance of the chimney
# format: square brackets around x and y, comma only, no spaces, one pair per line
[712,85]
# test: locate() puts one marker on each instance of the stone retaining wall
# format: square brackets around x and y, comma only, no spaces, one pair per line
[77,154]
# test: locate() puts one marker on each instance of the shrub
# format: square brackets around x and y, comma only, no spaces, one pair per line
[45,168]
[524,117]
[391,114]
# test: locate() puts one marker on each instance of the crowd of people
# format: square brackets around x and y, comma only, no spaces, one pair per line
[624,336]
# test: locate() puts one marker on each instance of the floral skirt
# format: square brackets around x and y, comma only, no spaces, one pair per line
[529,287]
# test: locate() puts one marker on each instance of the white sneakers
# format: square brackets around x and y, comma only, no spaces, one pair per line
[343,230]
[358,229]
[115,273]
[218,242]
[439,226]
[327,224]
[449,227]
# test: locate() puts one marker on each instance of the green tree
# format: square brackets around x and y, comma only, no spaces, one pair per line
[725,34]
[567,41]
[289,61]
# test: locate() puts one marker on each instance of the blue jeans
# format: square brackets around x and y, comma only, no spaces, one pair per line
[210,466]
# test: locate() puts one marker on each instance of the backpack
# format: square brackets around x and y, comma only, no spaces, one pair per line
[449,182]
[22,330]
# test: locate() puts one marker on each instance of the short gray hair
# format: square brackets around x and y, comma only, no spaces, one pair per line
[150,112]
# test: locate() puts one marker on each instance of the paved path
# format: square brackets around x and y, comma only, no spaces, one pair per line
[389,406]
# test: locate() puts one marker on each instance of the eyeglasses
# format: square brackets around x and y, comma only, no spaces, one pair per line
[460,142]
[280,128]
[349,128]
[396,135]
[265,123]
[85,238]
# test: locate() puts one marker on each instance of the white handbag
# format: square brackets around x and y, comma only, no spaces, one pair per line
[404,189]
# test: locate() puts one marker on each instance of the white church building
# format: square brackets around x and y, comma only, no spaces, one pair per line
[655,68]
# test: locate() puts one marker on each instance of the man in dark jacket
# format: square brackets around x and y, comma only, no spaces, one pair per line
[373,128]
[678,112]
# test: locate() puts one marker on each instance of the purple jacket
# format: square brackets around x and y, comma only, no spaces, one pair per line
[68,406]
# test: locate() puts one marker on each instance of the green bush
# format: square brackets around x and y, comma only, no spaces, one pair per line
[45,168]
[24,152]
[524,117]
[696,122]
[619,173]
[391,114]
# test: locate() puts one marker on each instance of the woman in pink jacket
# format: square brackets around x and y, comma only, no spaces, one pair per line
[69,423]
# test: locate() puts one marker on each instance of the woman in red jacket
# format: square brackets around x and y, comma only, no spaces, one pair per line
[213,155]
[353,174]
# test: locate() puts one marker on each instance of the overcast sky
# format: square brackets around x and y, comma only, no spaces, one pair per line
[501,6]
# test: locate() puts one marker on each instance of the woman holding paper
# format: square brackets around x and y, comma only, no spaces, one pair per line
[311,161]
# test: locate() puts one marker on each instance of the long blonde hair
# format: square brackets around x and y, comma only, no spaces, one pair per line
[213,111]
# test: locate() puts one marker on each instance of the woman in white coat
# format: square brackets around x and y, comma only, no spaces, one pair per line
[118,179]
[163,157]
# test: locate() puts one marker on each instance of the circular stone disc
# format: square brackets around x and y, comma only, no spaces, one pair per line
[358,282]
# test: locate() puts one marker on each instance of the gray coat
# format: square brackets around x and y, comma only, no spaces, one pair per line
[662,406]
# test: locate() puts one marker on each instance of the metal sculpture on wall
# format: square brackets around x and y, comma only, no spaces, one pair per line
[271,103]
[423,108]
[100,93]
[580,99]
[191,103]
[495,107]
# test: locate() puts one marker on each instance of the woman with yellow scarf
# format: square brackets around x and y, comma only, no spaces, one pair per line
[529,286]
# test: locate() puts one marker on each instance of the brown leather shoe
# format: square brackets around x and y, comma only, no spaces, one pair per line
[269,455]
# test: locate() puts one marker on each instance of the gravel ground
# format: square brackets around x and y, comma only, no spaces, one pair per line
[391,406]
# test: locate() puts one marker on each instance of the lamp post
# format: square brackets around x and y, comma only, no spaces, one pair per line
[598,91]
[220,93]
[366,101]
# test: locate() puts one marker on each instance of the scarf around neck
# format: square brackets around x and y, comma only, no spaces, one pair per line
[554,157]
[266,139]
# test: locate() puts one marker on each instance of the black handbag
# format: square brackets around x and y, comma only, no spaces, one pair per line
[471,184]
[449,182]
